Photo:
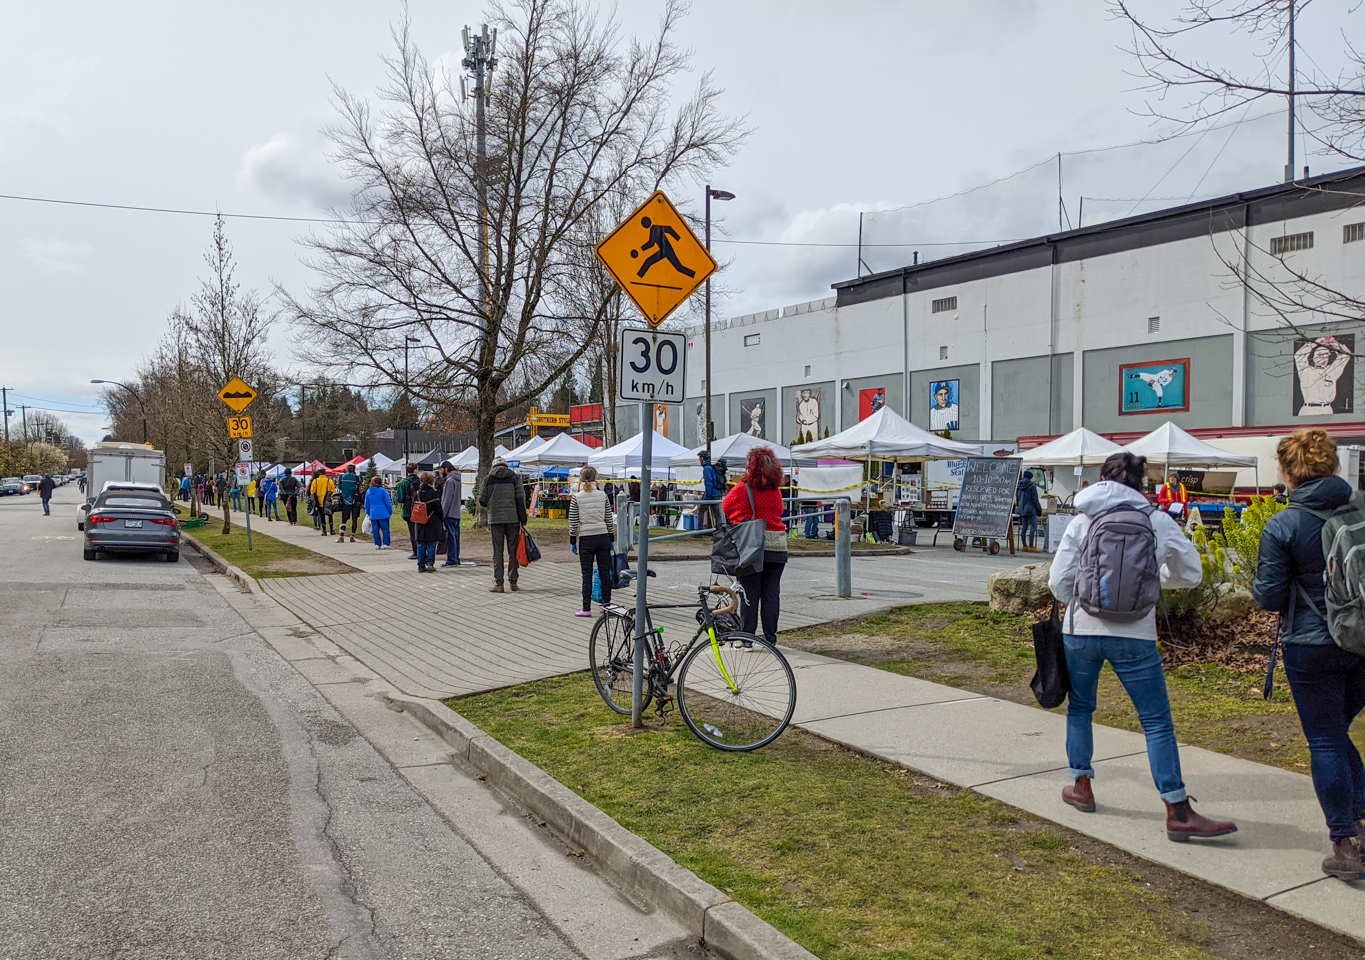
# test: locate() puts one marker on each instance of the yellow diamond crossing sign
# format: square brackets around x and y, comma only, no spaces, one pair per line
[656,258]
[237,394]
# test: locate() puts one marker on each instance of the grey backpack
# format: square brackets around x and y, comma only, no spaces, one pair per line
[1343,547]
[1118,577]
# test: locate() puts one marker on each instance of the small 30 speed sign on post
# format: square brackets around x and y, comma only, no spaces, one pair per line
[652,364]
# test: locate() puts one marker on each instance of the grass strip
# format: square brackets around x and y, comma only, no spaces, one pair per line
[850,856]
[268,558]
[966,645]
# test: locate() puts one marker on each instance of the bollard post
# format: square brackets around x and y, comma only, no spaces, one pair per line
[642,567]
[622,506]
[843,550]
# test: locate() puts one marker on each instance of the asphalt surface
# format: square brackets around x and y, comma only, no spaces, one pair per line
[170,787]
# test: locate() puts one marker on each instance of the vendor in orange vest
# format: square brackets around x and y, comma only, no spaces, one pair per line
[1173,491]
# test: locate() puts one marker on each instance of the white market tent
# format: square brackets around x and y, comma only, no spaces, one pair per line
[1173,447]
[1079,448]
[516,453]
[886,435]
[560,451]
[624,456]
[466,459]
[735,450]
[380,461]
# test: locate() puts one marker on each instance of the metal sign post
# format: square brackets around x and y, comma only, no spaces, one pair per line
[642,566]
[243,478]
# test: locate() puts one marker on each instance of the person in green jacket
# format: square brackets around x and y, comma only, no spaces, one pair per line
[348,485]
[404,494]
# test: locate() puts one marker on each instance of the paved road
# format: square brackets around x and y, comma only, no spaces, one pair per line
[171,787]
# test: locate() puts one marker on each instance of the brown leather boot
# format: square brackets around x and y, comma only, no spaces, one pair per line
[1346,862]
[496,588]
[1079,795]
[513,585]
[1182,823]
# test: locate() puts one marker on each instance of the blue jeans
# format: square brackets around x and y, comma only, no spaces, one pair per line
[1028,529]
[452,542]
[47,507]
[1138,665]
[236,499]
[1329,690]
[272,505]
[426,555]
[380,528]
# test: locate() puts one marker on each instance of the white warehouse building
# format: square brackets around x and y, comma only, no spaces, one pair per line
[1116,327]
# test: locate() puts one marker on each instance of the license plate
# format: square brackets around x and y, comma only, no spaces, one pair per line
[136,524]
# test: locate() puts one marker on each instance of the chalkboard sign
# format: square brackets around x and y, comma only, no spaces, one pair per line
[987,498]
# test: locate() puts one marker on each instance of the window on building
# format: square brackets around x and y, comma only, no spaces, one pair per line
[1153,324]
[808,369]
[943,353]
[1295,241]
[1353,232]
[944,305]
[751,339]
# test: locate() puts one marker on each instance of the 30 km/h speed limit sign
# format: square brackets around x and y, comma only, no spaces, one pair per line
[239,428]
[652,366]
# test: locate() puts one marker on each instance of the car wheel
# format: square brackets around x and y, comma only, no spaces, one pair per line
[173,556]
[89,554]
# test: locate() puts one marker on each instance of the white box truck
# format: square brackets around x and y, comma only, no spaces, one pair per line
[121,462]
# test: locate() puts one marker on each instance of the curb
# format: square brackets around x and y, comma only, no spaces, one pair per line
[644,871]
[247,583]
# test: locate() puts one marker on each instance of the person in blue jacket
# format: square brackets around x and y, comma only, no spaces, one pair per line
[379,508]
[270,498]
[1328,683]
[712,489]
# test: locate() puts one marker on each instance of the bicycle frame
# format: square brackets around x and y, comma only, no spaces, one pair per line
[657,653]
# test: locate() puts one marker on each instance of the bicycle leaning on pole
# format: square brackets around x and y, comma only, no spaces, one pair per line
[734,690]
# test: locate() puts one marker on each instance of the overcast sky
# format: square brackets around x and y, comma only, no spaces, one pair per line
[856,105]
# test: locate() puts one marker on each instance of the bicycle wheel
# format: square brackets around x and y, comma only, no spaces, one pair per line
[611,655]
[747,714]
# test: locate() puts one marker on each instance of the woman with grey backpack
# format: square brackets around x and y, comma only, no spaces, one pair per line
[1110,568]
[1327,680]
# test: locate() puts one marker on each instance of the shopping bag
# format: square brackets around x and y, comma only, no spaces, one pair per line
[619,565]
[596,587]
[523,558]
[737,548]
[529,547]
[1051,681]
[366,526]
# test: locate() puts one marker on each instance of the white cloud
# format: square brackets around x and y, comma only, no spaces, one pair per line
[57,256]
[292,166]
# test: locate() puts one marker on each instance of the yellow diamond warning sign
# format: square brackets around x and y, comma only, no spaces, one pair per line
[656,259]
[237,394]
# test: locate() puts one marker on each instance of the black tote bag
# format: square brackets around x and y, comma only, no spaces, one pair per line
[1051,681]
[737,548]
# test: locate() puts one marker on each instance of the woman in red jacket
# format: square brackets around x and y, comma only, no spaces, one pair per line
[1172,492]
[762,591]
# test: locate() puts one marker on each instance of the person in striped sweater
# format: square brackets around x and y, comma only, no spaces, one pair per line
[591,525]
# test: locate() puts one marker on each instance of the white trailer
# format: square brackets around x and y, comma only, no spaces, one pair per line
[121,463]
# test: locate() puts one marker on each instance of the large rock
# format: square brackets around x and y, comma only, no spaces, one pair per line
[1233,603]
[1020,591]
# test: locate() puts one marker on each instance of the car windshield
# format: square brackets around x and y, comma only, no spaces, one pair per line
[142,503]
[33,477]
[11,480]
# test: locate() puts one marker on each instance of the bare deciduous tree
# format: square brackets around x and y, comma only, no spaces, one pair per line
[576,117]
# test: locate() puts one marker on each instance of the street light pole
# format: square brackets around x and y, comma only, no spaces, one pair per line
[136,397]
[407,393]
[710,426]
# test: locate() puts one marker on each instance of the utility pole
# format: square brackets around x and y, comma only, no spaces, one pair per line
[4,400]
[480,58]
[23,414]
[1289,166]
[710,425]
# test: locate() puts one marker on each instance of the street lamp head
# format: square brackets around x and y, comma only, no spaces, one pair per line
[99,381]
[722,195]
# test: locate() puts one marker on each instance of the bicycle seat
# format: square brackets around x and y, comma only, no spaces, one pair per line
[629,574]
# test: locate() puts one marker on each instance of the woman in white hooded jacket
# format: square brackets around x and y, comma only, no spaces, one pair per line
[1129,646]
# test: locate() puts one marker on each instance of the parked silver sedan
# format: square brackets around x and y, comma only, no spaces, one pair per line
[132,521]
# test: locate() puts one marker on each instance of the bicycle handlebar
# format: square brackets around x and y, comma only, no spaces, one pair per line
[730,607]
